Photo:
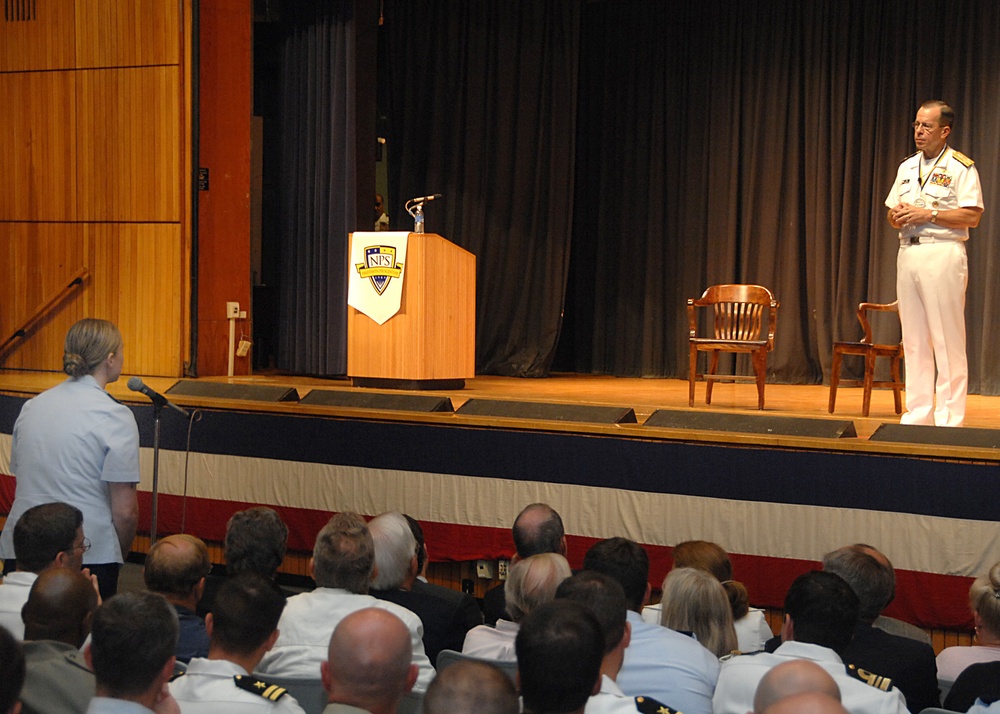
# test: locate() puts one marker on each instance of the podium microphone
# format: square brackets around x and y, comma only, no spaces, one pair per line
[424,199]
[137,385]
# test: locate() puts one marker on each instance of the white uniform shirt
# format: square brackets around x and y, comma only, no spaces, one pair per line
[492,642]
[107,705]
[208,687]
[610,700]
[310,618]
[668,666]
[949,184]
[13,594]
[68,443]
[740,676]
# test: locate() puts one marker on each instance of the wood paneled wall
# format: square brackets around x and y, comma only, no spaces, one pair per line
[95,172]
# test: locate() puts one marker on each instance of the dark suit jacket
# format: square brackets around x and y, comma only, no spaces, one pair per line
[447,614]
[494,606]
[910,664]
[977,681]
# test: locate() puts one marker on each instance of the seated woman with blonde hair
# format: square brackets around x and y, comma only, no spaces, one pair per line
[694,601]
[752,630]
[984,599]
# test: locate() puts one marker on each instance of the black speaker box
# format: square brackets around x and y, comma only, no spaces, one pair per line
[752,424]
[938,435]
[378,400]
[548,412]
[221,390]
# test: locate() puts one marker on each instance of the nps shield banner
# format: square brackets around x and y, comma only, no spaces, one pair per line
[375,282]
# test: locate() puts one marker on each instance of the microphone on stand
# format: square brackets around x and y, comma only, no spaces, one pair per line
[415,207]
[137,385]
[423,199]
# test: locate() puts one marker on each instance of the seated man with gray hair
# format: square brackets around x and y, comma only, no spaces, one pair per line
[343,565]
[396,564]
[531,582]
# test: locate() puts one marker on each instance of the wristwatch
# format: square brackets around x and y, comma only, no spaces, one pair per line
[934,216]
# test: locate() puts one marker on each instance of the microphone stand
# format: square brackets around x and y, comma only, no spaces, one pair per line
[157,413]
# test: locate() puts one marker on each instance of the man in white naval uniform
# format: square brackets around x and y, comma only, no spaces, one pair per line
[934,201]
[241,627]
[343,565]
[659,662]
[821,612]
[605,599]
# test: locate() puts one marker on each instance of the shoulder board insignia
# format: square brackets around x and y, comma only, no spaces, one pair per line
[648,705]
[911,155]
[870,678]
[271,692]
[962,159]
[176,675]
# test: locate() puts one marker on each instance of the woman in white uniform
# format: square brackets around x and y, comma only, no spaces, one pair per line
[77,444]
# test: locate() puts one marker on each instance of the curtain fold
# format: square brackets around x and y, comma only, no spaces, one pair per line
[318,178]
[482,110]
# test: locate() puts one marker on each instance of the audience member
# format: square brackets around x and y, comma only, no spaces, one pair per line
[133,638]
[752,630]
[368,666]
[659,662]
[806,703]
[12,666]
[694,601]
[530,583]
[45,536]
[984,600]
[342,565]
[242,627]
[537,529]
[57,620]
[977,681]
[472,614]
[176,567]
[891,624]
[560,648]
[821,612]
[605,599]
[797,676]
[908,663]
[256,539]
[471,687]
[445,620]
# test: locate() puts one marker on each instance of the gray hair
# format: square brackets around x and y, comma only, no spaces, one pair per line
[693,600]
[395,548]
[872,581]
[533,581]
[344,554]
[88,343]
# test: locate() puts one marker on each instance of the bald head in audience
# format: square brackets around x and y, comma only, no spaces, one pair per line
[60,607]
[793,678]
[538,529]
[470,687]
[807,703]
[368,664]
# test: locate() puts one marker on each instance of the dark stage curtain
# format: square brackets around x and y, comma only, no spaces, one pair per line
[677,145]
[482,108]
[318,178]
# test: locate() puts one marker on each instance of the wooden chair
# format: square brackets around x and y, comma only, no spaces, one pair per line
[870,351]
[738,312]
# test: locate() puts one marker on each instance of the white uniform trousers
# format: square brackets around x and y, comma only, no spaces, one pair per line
[930,285]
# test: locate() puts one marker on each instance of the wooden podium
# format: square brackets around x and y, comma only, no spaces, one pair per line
[431,342]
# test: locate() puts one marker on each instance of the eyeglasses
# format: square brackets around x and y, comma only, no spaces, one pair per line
[83,547]
[926,127]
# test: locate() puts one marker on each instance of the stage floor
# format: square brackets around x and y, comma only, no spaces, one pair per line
[643,395]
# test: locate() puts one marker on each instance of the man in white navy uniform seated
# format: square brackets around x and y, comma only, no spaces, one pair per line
[934,201]
[241,627]
[343,565]
[821,612]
